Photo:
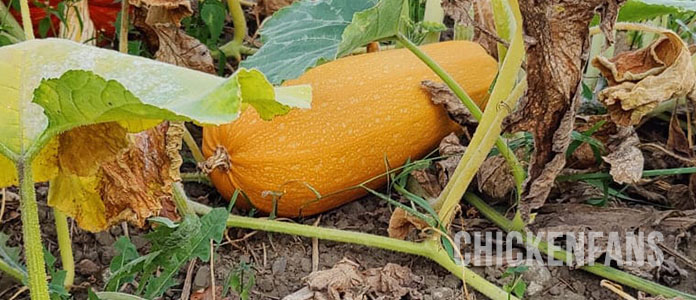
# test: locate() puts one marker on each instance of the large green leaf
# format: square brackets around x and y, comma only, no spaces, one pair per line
[638,10]
[50,86]
[307,33]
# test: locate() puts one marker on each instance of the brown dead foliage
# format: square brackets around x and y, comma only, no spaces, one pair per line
[269,7]
[482,21]
[554,66]
[345,281]
[440,94]
[121,177]
[639,80]
[401,223]
[164,12]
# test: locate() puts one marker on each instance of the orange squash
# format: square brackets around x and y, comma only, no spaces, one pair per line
[366,109]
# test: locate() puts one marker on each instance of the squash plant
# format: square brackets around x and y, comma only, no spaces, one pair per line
[50,87]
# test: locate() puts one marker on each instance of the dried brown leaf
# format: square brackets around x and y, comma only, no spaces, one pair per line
[268,7]
[676,138]
[626,160]
[178,48]
[164,12]
[555,63]
[118,178]
[440,94]
[641,79]
[402,223]
[345,281]
[494,178]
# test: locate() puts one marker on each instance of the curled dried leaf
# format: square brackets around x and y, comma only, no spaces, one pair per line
[268,7]
[402,223]
[346,281]
[494,178]
[639,80]
[178,48]
[164,12]
[440,94]
[626,159]
[121,177]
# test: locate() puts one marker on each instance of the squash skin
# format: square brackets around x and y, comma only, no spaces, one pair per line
[364,108]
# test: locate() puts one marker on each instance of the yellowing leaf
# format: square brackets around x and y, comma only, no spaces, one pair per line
[51,88]
[121,177]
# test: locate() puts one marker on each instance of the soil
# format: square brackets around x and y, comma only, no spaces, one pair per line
[280,262]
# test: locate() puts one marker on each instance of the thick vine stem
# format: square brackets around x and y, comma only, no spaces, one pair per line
[193,146]
[123,30]
[26,20]
[234,47]
[65,246]
[429,249]
[33,249]
[181,200]
[560,254]
[515,166]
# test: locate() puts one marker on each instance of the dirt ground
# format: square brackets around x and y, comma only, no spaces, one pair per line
[281,261]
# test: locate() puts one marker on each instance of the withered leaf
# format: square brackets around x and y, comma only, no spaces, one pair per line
[482,21]
[401,223]
[639,80]
[164,12]
[555,64]
[494,178]
[346,282]
[626,159]
[440,94]
[178,48]
[676,138]
[78,25]
[268,7]
[119,177]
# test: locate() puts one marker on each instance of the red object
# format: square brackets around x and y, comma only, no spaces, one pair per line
[102,12]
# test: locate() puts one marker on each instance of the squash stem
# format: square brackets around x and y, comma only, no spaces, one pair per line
[193,146]
[26,20]
[560,254]
[429,249]
[33,249]
[17,274]
[181,200]
[515,166]
[65,246]
[9,24]
[123,30]
[234,47]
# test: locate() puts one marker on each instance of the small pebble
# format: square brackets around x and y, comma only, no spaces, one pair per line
[279,265]
[87,267]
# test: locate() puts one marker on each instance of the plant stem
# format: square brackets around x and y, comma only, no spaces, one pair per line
[31,232]
[429,249]
[26,20]
[9,24]
[65,246]
[233,48]
[193,146]
[196,177]
[433,13]
[515,166]
[560,254]
[646,173]
[181,200]
[123,30]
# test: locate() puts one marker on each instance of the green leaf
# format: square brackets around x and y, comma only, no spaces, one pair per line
[639,10]
[213,15]
[116,296]
[10,255]
[126,253]
[78,85]
[379,22]
[179,247]
[130,269]
[307,33]
[163,221]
